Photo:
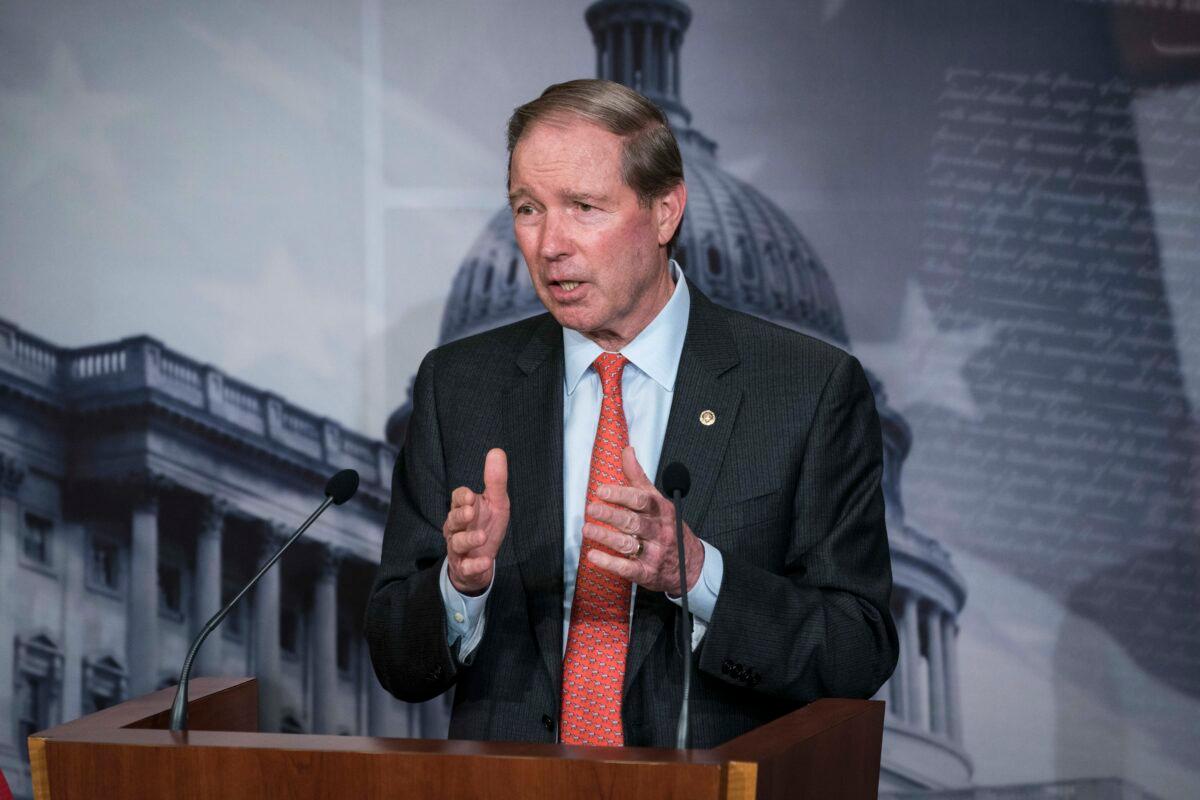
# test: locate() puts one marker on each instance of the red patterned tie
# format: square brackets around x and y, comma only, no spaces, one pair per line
[594,666]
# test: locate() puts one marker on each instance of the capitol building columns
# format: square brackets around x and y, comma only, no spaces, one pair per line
[142,629]
[924,717]
[910,658]
[923,730]
[953,697]
[74,620]
[923,691]
[12,475]
[207,598]
[938,699]
[324,633]
[638,44]
[266,630]
[292,650]
[302,680]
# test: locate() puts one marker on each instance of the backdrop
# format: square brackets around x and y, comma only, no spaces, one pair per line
[1004,196]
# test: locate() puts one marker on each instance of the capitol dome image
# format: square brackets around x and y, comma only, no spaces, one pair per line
[743,252]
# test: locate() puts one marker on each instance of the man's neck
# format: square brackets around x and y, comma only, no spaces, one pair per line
[614,341]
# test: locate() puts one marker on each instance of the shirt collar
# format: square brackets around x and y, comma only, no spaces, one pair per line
[655,351]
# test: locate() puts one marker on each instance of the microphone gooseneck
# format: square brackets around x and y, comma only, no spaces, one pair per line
[340,488]
[676,482]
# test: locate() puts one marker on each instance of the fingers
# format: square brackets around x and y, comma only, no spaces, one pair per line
[495,476]
[461,496]
[460,516]
[640,494]
[476,524]
[621,543]
[632,497]
[464,542]
[653,569]
[462,511]
[620,518]
[630,569]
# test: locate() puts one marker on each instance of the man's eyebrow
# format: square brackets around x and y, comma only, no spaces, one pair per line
[583,197]
[521,193]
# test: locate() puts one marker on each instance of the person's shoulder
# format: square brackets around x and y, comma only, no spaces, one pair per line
[766,344]
[782,367]
[490,351]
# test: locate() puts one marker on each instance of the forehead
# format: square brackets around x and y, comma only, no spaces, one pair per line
[569,149]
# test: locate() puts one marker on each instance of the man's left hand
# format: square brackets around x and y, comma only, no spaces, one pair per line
[640,516]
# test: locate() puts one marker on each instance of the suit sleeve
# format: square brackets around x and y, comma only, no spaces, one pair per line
[406,618]
[822,627]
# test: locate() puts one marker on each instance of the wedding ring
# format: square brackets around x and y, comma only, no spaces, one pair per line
[640,547]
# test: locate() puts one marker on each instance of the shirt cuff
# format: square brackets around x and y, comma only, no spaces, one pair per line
[464,614]
[702,598]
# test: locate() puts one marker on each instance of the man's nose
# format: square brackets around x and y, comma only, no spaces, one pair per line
[556,237]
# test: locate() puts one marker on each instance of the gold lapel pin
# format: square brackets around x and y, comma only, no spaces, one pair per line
[707,417]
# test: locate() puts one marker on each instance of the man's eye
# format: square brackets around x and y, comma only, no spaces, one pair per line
[524,210]
[584,206]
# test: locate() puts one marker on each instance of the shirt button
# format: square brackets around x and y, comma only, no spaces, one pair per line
[547,722]
[458,617]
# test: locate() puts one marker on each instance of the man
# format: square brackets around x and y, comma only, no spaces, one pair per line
[547,593]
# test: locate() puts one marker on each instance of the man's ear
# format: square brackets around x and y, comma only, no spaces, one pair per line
[668,211]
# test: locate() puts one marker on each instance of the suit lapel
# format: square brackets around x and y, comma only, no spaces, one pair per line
[705,381]
[533,431]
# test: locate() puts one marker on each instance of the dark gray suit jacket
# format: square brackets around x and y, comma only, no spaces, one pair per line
[786,484]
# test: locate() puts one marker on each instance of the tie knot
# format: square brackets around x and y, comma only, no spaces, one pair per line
[608,367]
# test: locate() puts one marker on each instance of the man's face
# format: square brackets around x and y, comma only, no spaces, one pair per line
[595,254]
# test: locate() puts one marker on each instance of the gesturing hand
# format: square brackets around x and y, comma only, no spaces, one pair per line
[640,512]
[476,526]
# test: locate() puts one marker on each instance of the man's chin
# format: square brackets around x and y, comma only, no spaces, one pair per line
[563,311]
[570,317]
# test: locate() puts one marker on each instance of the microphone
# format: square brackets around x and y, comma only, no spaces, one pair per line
[338,489]
[676,482]
[341,487]
[676,478]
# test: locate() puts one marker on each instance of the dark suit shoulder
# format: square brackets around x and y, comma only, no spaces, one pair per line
[765,345]
[493,352]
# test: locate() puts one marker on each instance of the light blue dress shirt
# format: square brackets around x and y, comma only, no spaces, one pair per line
[647,386]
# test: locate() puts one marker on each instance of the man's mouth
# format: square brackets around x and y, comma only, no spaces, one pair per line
[568,291]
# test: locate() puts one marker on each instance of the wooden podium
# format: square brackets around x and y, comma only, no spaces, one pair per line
[829,749]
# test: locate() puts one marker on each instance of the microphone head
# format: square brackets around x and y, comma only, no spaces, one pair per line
[342,486]
[676,478]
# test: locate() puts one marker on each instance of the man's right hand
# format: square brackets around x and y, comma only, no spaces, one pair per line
[476,526]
